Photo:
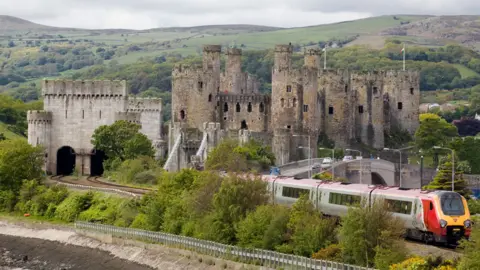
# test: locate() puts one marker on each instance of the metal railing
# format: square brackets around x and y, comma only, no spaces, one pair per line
[106,190]
[253,256]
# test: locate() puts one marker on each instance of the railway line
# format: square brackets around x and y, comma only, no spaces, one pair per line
[93,181]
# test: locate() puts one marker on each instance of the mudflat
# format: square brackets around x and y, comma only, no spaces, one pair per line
[33,254]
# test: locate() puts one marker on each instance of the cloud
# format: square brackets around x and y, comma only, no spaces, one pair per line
[143,14]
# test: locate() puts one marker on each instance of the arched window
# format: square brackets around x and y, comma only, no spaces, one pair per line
[182,114]
[225,107]
[210,98]
[238,107]
[249,108]
[262,107]
[282,102]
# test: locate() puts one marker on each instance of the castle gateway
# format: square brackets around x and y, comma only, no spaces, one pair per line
[208,105]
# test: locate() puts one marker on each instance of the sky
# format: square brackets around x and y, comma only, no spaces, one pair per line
[145,14]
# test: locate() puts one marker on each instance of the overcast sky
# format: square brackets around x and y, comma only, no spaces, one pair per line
[143,14]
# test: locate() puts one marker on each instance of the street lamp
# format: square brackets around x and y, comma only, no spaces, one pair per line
[333,161]
[361,169]
[400,152]
[453,163]
[309,153]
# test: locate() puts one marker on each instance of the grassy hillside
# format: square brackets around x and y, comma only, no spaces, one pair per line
[7,133]
[465,71]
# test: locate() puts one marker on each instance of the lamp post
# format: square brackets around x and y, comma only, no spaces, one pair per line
[453,164]
[309,153]
[400,152]
[361,169]
[333,161]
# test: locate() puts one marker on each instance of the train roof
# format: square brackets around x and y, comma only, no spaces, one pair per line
[338,186]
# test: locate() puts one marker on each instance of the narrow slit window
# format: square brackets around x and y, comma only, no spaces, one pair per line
[100,114]
[262,108]
[210,98]
[305,108]
[294,102]
[225,107]
[289,88]
[83,114]
[66,113]
[400,105]
[330,110]
[360,109]
[282,102]
[411,91]
[249,108]
[238,107]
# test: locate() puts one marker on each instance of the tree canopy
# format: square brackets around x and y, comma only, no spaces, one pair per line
[122,140]
[433,131]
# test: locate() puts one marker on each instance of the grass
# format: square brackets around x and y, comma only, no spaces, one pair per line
[7,133]
[465,72]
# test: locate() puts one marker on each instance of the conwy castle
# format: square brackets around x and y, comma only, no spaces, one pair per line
[208,105]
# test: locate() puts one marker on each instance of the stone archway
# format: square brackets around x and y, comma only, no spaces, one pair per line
[96,162]
[65,160]
[377,179]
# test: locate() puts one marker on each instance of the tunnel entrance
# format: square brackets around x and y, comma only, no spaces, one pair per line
[65,160]
[378,180]
[96,162]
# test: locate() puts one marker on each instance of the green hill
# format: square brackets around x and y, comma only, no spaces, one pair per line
[7,133]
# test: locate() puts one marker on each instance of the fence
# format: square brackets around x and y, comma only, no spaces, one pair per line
[254,256]
[106,190]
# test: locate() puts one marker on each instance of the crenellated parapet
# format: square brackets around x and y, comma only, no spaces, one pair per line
[233,51]
[34,117]
[145,104]
[132,117]
[212,48]
[245,98]
[186,70]
[85,88]
[284,48]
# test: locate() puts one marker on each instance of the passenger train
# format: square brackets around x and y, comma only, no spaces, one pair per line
[430,216]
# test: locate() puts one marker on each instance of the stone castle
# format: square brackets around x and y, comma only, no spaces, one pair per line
[209,104]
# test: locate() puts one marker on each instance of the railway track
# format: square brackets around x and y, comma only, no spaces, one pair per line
[92,181]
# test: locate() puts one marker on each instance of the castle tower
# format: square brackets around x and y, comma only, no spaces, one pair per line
[39,130]
[368,108]
[233,72]
[194,90]
[336,106]
[402,100]
[311,105]
[287,99]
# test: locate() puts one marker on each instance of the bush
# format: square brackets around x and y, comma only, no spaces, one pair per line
[70,208]
[330,253]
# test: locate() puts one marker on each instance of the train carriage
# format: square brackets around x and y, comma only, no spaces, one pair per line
[437,216]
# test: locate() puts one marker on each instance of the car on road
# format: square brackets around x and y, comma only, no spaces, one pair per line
[347,158]
[316,166]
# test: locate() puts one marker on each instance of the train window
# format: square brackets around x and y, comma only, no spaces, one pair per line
[294,192]
[343,199]
[402,207]
[431,206]
[452,204]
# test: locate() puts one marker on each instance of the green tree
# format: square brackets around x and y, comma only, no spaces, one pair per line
[236,197]
[443,179]
[308,230]
[467,149]
[471,257]
[223,157]
[433,131]
[264,228]
[19,161]
[122,140]
[367,230]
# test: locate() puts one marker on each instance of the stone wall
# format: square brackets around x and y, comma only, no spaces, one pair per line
[248,111]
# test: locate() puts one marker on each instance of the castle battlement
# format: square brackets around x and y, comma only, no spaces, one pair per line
[407,74]
[233,51]
[212,48]
[133,117]
[334,72]
[314,51]
[183,70]
[144,104]
[39,117]
[243,98]
[98,88]
[283,48]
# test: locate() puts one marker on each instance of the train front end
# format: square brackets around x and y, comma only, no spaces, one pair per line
[454,217]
